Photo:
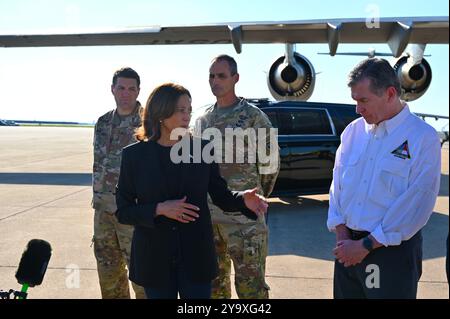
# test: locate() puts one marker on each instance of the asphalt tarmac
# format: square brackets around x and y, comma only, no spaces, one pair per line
[45,193]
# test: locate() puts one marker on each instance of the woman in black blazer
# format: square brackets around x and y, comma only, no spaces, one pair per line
[172,249]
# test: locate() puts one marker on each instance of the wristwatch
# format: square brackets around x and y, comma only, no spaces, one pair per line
[367,243]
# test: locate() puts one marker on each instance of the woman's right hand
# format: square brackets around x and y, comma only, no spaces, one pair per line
[178,210]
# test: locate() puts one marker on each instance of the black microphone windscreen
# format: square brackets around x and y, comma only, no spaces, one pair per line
[33,263]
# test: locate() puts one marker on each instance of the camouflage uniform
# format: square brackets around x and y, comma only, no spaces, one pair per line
[236,236]
[112,241]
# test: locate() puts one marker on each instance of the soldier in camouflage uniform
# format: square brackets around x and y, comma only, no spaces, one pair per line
[237,236]
[112,241]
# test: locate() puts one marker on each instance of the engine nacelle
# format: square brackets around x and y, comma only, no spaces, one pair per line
[414,79]
[291,80]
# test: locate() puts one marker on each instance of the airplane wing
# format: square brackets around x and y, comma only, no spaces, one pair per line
[434,116]
[358,54]
[397,32]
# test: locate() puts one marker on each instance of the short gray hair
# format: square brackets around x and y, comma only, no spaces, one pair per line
[231,62]
[379,72]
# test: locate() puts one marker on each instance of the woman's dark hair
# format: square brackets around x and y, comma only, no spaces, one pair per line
[161,104]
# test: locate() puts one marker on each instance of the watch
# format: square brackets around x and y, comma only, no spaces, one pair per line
[367,243]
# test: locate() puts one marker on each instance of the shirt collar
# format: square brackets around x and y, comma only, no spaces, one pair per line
[390,125]
[136,111]
[239,102]
[397,120]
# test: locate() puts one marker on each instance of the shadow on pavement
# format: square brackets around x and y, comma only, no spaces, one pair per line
[443,190]
[70,179]
[297,226]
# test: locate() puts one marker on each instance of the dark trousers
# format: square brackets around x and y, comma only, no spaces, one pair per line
[391,272]
[182,284]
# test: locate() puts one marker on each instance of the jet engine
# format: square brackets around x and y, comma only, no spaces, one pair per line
[414,78]
[291,77]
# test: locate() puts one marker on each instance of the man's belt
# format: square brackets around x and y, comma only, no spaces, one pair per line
[358,234]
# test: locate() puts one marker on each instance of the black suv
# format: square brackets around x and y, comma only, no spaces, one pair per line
[308,136]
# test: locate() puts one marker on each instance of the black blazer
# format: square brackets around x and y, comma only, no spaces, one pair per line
[141,187]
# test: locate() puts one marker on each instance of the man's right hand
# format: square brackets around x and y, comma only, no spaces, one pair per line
[342,233]
[178,210]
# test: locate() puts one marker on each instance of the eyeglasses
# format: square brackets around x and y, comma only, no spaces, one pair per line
[184,111]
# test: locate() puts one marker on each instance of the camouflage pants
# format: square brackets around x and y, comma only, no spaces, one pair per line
[246,245]
[112,246]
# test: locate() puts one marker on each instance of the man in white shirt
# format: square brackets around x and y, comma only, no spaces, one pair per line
[385,182]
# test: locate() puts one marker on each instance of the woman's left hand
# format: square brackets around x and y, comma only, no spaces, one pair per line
[255,202]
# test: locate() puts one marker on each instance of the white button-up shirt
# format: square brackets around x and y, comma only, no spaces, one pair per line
[386,177]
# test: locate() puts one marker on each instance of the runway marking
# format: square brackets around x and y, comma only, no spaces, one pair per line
[46,203]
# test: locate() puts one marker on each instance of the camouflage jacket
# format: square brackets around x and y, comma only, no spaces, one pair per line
[112,134]
[245,174]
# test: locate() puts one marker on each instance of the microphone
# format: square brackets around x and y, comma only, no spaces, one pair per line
[33,264]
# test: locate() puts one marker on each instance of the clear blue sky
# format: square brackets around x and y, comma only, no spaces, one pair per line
[73,84]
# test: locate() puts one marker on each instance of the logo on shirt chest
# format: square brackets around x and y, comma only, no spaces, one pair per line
[402,151]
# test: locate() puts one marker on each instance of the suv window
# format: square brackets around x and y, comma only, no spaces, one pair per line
[304,122]
[272,115]
[347,114]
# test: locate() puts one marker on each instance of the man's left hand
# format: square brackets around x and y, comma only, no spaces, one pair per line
[350,252]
